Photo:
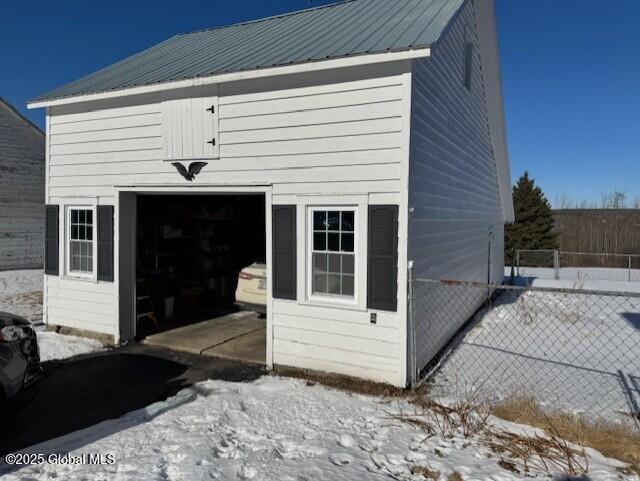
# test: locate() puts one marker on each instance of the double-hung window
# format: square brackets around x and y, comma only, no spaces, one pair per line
[81,244]
[333,252]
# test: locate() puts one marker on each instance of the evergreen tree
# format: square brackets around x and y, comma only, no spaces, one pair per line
[533,227]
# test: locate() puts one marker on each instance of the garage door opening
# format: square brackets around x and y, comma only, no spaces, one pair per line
[201,274]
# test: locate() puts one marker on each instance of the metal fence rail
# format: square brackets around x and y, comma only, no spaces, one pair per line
[557,259]
[570,349]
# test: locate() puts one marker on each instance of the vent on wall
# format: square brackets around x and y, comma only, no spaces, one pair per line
[190,128]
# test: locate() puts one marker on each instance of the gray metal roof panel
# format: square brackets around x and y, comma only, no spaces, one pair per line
[352,27]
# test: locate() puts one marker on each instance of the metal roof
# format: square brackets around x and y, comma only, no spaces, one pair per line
[351,27]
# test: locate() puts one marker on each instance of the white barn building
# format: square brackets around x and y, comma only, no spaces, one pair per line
[21,191]
[338,143]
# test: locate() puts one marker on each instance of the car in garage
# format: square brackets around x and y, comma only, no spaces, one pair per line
[251,293]
[19,359]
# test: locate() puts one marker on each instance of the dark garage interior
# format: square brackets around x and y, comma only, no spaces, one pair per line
[190,250]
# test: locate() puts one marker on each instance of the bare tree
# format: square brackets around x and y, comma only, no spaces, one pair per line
[608,200]
[614,200]
[564,202]
[585,204]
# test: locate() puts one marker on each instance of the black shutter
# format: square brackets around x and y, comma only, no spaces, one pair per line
[284,252]
[51,247]
[105,243]
[382,266]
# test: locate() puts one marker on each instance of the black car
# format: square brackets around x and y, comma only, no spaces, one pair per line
[19,359]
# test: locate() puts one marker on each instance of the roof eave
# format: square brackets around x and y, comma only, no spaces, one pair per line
[302,67]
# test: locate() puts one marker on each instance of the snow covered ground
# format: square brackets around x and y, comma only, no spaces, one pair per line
[274,429]
[591,278]
[57,346]
[573,352]
[21,293]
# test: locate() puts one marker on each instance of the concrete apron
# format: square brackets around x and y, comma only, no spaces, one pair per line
[240,336]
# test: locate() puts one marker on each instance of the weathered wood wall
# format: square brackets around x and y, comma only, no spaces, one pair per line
[22,185]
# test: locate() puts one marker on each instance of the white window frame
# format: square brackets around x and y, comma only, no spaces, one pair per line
[93,275]
[335,299]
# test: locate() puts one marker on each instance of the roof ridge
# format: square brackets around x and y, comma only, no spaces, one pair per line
[263,19]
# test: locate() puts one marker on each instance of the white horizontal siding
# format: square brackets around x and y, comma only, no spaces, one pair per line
[454,190]
[119,122]
[348,123]
[81,304]
[22,189]
[334,133]
[336,340]
[305,118]
[296,135]
[321,173]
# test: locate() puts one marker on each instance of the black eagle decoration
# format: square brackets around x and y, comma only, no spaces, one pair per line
[194,169]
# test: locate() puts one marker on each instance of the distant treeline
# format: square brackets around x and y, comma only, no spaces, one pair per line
[603,231]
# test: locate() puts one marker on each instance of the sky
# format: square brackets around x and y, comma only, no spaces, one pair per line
[570,68]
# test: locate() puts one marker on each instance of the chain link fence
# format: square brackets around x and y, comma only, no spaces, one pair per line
[557,264]
[572,350]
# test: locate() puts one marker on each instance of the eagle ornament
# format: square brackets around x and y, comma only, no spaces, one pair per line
[190,173]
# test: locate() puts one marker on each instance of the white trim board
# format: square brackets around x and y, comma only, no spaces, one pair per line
[243,75]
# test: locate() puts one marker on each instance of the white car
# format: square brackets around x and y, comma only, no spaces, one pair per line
[251,293]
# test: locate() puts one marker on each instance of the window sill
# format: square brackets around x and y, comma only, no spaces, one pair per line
[75,277]
[332,304]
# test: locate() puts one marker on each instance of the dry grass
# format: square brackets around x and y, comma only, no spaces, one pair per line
[455,476]
[343,383]
[468,417]
[612,440]
[425,472]
[532,455]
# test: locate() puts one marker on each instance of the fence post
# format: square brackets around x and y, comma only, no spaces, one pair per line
[513,263]
[518,262]
[413,375]
[556,264]
[629,269]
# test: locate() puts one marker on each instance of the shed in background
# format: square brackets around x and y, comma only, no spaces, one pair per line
[22,186]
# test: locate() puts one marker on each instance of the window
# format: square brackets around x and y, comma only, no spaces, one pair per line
[468,64]
[81,246]
[333,252]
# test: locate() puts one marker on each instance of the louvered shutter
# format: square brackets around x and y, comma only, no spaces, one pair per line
[382,265]
[51,249]
[105,243]
[284,252]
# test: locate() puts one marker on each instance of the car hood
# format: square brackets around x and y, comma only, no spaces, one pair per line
[8,319]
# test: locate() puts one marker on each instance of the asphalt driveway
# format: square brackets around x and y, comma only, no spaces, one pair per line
[79,392]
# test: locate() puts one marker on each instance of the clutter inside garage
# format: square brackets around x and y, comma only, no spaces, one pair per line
[190,250]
